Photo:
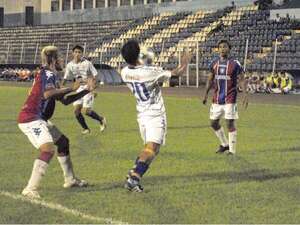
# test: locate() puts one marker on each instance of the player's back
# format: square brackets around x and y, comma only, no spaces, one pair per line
[143,81]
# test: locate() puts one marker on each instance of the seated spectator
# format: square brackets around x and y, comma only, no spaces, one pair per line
[268,82]
[254,83]
[276,88]
[286,82]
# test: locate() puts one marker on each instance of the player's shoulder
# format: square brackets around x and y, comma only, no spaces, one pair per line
[214,59]
[70,63]
[237,62]
[124,70]
[49,74]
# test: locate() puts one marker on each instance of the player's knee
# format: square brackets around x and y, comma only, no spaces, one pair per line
[230,125]
[215,124]
[86,111]
[63,146]
[46,152]
[77,112]
[151,150]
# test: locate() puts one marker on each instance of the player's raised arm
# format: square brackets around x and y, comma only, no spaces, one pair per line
[52,92]
[243,84]
[185,60]
[68,99]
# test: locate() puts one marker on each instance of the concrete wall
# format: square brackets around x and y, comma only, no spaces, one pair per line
[14,15]
[127,12]
[14,11]
[18,6]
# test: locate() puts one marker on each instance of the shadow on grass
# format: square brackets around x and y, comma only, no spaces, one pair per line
[289,149]
[169,128]
[226,177]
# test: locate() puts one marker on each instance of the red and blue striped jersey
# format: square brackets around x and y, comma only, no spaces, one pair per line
[36,106]
[225,80]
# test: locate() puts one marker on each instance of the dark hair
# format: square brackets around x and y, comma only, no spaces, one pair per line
[130,51]
[223,41]
[77,47]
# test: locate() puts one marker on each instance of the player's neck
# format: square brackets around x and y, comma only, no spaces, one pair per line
[224,57]
[76,61]
[50,67]
[135,64]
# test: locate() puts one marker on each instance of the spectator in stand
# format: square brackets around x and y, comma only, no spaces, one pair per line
[286,84]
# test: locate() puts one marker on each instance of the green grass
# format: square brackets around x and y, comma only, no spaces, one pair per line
[187,183]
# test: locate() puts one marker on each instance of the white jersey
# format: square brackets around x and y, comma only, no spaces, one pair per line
[143,82]
[83,69]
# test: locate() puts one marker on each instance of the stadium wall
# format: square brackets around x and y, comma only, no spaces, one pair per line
[293,13]
[42,17]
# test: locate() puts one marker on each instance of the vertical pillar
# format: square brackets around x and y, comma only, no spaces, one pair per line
[71,5]
[60,5]
[131,2]
[158,1]
[106,3]
[82,4]
[94,4]
[145,2]
[118,3]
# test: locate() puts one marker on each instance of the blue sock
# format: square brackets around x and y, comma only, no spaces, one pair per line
[141,168]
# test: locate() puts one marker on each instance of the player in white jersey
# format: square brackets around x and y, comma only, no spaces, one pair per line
[80,69]
[143,80]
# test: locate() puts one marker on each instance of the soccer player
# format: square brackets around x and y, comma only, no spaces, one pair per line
[80,69]
[224,76]
[34,122]
[143,81]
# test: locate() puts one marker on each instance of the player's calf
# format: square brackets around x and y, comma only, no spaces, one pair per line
[219,131]
[81,121]
[141,166]
[39,170]
[89,112]
[232,136]
[65,162]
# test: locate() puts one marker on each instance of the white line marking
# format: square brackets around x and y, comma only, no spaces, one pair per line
[61,208]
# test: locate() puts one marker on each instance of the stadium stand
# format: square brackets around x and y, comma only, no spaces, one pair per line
[167,34]
[13,38]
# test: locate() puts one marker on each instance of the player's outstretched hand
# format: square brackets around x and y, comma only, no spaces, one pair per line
[91,84]
[76,85]
[185,58]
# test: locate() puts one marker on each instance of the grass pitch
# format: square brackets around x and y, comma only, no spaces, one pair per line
[187,183]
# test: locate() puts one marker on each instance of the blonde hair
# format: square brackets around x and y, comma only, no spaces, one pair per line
[48,54]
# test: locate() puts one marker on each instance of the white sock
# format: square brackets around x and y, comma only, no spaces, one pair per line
[232,141]
[38,171]
[67,167]
[222,137]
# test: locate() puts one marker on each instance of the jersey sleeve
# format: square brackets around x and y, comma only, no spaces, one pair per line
[161,75]
[211,66]
[123,74]
[68,72]
[92,69]
[240,68]
[49,80]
